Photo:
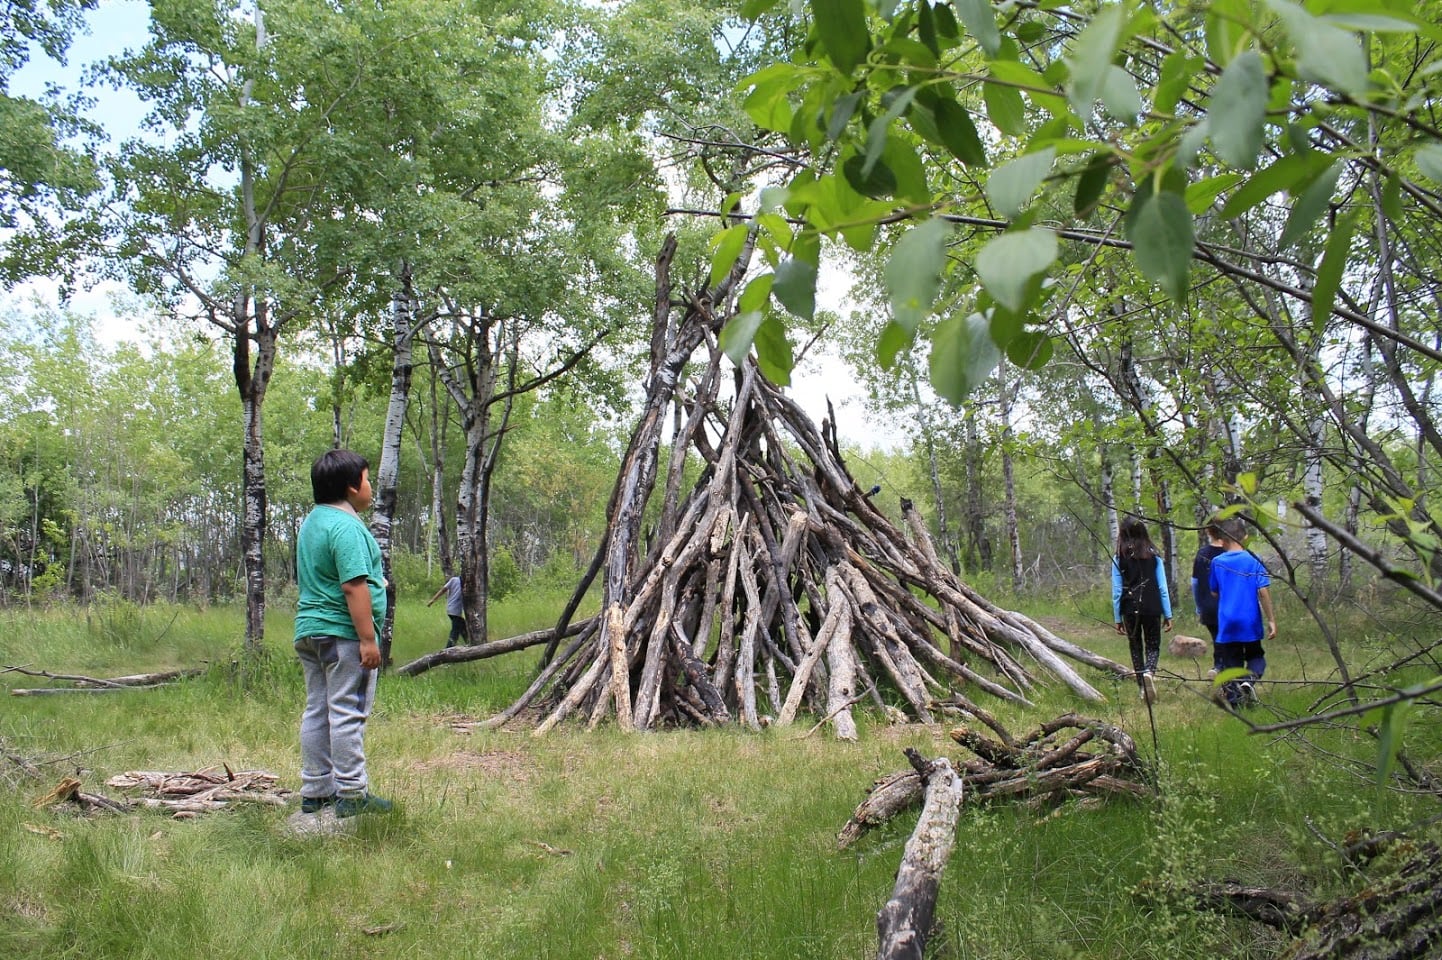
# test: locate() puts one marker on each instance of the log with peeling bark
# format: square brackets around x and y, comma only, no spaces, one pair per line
[770,586]
[1070,756]
[904,923]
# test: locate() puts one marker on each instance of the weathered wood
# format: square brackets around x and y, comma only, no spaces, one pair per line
[84,684]
[904,923]
[495,648]
[738,565]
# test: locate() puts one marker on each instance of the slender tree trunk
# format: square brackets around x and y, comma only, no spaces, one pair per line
[1008,471]
[250,318]
[928,439]
[252,382]
[388,471]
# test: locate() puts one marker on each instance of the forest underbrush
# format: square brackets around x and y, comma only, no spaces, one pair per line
[679,843]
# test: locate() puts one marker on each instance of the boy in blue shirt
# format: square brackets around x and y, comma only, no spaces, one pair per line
[1240,583]
[337,619]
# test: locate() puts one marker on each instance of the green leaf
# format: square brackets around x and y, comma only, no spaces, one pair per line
[1178,69]
[767,103]
[1201,195]
[1119,94]
[1326,54]
[752,9]
[1028,80]
[1030,350]
[1230,674]
[980,22]
[1092,183]
[1159,226]
[1011,186]
[841,113]
[1009,264]
[795,287]
[739,332]
[1329,271]
[841,24]
[1282,175]
[1429,161]
[1005,108]
[959,133]
[1238,110]
[901,158]
[1091,55]
[1309,206]
[913,273]
[894,339]
[876,134]
[726,247]
[879,182]
[1225,27]
[962,356]
[773,351]
[753,298]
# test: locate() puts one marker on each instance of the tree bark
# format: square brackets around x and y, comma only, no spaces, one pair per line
[904,923]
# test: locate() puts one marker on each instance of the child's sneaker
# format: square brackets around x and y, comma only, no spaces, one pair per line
[1149,688]
[315,804]
[365,803]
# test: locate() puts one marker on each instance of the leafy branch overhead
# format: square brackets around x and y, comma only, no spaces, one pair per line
[1054,131]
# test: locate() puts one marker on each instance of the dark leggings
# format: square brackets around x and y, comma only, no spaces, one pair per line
[458,630]
[1144,637]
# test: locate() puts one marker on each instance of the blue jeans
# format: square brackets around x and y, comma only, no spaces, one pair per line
[339,693]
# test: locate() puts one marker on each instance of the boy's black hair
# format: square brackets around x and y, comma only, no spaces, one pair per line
[334,473]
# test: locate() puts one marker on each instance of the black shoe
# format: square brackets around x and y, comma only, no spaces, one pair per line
[315,804]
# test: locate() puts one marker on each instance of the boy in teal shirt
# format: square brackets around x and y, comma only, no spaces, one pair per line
[338,615]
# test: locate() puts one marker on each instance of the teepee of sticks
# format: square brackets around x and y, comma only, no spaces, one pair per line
[773,584]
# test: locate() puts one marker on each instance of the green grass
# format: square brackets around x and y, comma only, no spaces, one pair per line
[578,845]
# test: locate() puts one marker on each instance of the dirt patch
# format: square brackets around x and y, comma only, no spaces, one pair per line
[493,764]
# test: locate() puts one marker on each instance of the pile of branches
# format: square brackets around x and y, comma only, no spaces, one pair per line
[1071,757]
[184,795]
[773,584]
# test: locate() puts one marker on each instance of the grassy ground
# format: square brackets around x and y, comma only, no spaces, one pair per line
[587,845]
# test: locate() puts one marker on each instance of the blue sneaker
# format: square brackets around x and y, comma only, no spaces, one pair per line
[315,804]
[365,803]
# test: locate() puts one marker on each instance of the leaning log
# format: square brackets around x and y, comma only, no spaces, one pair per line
[494,648]
[904,923]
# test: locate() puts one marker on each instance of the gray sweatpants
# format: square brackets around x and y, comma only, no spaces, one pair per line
[338,697]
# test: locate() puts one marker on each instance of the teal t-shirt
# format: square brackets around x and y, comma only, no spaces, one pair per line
[335,546]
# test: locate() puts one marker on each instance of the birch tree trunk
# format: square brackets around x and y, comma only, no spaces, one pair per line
[388,470]
[1008,472]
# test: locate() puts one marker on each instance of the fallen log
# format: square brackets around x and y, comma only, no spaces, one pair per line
[84,684]
[904,923]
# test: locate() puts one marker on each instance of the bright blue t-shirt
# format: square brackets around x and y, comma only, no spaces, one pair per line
[335,546]
[1236,577]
